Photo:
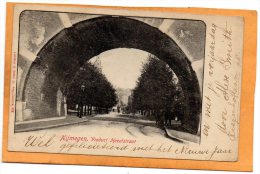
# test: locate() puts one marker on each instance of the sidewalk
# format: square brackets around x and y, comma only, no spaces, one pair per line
[47,124]
[183,136]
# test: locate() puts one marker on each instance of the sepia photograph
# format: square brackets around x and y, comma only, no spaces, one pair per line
[139,76]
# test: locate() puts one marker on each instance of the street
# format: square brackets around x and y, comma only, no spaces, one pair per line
[114,125]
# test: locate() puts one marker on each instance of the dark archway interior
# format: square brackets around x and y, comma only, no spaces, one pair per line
[66,52]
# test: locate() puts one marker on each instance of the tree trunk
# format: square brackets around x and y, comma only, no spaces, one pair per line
[85,110]
[90,113]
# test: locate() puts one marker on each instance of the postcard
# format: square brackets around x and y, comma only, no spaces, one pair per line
[125,83]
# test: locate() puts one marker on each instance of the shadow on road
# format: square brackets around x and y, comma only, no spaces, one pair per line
[137,125]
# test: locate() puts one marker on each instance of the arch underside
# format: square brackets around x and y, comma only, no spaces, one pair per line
[66,52]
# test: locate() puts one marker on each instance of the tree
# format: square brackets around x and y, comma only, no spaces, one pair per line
[89,88]
[157,91]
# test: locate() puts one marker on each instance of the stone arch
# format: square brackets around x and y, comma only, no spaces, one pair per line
[66,52]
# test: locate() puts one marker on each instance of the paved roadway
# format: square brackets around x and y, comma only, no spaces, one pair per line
[115,125]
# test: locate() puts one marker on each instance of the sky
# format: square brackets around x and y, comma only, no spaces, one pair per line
[122,66]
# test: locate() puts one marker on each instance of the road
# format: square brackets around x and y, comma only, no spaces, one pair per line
[115,125]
